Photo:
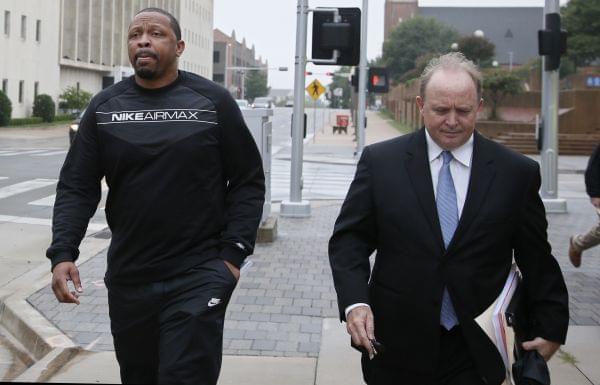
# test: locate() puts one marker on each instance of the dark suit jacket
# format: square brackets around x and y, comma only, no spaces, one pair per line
[391,208]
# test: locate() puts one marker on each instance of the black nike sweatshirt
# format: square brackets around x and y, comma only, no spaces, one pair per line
[185,180]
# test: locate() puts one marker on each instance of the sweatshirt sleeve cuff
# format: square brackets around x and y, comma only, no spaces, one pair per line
[233,255]
[64,257]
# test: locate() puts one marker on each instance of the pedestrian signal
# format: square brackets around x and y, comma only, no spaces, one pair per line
[552,42]
[343,35]
[378,80]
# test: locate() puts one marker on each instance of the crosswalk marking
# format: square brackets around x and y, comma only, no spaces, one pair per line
[22,152]
[22,187]
[3,177]
[51,153]
[46,201]
[44,222]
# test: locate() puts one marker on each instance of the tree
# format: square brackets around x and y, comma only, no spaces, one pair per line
[341,80]
[74,99]
[497,84]
[256,84]
[581,18]
[414,38]
[5,109]
[44,107]
[479,50]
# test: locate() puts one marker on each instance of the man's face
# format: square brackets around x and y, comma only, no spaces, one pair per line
[152,45]
[449,107]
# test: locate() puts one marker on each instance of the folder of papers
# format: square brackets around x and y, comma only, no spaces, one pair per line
[493,321]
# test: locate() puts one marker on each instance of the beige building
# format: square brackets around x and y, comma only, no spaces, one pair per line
[82,43]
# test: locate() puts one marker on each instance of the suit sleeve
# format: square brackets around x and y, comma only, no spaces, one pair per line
[544,286]
[77,193]
[354,240]
[245,191]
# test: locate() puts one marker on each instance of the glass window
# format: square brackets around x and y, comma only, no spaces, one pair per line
[23,26]
[5,86]
[36,88]
[21,89]
[38,31]
[216,56]
[7,23]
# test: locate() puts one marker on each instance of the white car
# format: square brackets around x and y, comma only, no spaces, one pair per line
[263,102]
[243,104]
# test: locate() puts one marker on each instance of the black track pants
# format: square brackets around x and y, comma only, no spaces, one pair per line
[171,332]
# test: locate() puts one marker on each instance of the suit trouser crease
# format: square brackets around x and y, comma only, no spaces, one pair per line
[172,331]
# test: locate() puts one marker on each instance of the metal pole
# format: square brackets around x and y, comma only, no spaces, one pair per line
[362,80]
[243,84]
[315,120]
[296,207]
[549,152]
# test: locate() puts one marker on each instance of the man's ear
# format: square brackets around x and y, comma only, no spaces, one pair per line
[420,103]
[480,105]
[180,48]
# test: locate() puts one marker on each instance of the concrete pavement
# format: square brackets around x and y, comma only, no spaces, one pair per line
[281,326]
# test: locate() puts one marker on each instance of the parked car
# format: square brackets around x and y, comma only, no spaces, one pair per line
[74,126]
[263,102]
[242,103]
[289,103]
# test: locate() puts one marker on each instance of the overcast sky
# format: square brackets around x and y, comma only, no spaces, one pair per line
[271,26]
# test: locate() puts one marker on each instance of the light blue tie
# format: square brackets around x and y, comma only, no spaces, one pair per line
[448,215]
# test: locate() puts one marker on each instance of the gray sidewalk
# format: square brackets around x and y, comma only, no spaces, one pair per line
[281,325]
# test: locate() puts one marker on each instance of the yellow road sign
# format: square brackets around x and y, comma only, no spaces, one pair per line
[315,89]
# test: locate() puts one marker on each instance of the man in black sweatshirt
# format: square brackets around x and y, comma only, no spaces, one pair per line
[580,242]
[186,191]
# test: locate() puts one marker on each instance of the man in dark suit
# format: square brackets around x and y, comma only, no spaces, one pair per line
[446,210]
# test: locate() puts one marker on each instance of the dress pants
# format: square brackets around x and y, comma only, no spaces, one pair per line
[455,366]
[171,332]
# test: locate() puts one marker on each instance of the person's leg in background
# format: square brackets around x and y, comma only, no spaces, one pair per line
[580,242]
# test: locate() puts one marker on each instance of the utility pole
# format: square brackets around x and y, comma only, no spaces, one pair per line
[295,206]
[549,133]
[362,81]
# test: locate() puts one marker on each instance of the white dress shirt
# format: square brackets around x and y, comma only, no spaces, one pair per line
[460,168]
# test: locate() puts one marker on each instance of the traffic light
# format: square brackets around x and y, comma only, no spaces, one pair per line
[378,80]
[344,36]
[552,42]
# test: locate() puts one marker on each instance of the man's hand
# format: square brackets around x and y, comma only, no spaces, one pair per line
[361,327]
[595,202]
[62,273]
[234,270]
[544,347]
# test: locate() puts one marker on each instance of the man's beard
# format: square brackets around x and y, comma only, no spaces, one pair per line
[145,73]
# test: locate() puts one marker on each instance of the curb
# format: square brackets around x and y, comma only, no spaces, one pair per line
[48,346]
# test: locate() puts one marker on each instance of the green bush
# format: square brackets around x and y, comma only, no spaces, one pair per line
[5,109]
[26,121]
[74,99]
[44,107]
[63,117]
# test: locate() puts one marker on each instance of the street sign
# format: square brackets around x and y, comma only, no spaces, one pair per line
[315,89]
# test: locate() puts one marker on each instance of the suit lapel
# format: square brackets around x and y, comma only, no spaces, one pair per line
[483,172]
[417,167]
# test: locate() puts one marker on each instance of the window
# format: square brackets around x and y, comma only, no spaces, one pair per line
[36,88]
[21,89]
[23,26]
[5,86]
[38,31]
[216,56]
[7,23]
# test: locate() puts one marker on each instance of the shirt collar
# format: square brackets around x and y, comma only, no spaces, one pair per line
[462,154]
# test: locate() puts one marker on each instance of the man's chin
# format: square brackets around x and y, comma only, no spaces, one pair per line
[145,73]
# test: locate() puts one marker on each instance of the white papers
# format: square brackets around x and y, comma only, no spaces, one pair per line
[493,323]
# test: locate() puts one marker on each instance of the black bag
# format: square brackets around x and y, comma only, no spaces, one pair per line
[529,367]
